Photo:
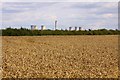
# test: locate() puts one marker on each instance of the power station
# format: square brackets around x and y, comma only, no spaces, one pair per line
[43,27]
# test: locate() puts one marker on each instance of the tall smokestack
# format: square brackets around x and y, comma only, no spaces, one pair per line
[55,24]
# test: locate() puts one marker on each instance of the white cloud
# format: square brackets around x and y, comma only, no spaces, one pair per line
[110,5]
[109,15]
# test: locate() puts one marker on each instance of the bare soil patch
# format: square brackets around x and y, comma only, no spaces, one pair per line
[60,56]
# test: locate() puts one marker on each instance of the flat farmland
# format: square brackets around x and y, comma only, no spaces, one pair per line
[60,56]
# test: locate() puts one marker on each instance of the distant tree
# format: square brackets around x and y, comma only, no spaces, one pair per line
[89,30]
[26,32]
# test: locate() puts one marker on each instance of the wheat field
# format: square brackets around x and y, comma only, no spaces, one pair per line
[60,56]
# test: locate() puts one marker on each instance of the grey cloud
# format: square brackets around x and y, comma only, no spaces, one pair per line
[14,7]
[86,5]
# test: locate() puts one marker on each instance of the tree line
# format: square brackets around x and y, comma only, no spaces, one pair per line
[28,32]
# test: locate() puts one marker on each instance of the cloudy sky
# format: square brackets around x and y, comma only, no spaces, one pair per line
[88,15]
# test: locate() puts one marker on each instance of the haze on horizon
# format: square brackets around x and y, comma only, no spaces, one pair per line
[88,15]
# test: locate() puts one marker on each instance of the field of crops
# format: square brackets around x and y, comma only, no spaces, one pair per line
[60,56]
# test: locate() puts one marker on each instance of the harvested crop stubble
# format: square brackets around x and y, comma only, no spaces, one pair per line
[60,56]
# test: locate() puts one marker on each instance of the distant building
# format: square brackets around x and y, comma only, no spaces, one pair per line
[34,27]
[75,28]
[80,28]
[43,27]
[70,28]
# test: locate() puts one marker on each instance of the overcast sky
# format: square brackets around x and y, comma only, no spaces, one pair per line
[88,15]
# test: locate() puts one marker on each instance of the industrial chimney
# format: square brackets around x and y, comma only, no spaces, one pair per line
[55,24]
